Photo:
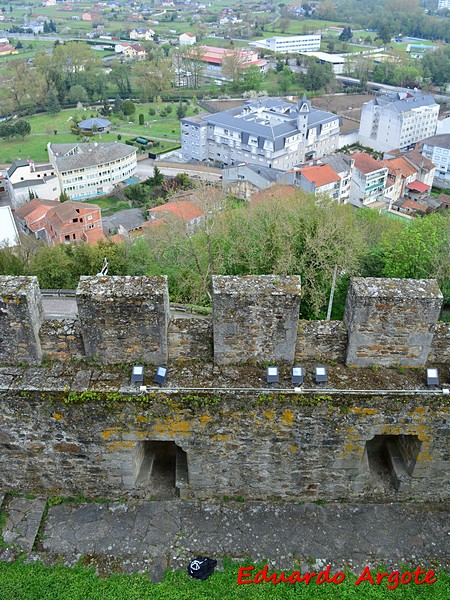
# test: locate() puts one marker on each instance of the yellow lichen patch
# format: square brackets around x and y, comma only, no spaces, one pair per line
[419,409]
[219,437]
[109,432]
[113,446]
[288,418]
[293,448]
[269,414]
[349,447]
[204,420]
[142,419]
[354,436]
[424,456]
[172,426]
[57,416]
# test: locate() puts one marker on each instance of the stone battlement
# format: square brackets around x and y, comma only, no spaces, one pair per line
[255,319]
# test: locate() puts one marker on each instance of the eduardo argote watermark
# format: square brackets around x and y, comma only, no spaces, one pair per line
[392,579]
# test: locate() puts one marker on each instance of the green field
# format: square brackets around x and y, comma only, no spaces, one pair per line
[298,27]
[35,581]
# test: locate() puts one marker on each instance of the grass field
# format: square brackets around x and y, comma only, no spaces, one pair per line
[299,27]
[35,581]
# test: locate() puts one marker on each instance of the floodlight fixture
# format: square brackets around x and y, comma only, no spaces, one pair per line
[297,375]
[321,375]
[137,374]
[272,375]
[432,376]
[160,375]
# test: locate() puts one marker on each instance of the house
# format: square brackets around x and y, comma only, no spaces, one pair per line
[444,200]
[244,180]
[342,164]
[31,215]
[214,57]
[92,169]
[134,51]
[35,27]
[437,149]
[87,16]
[141,33]
[9,235]
[320,179]
[123,222]
[6,49]
[61,222]
[73,222]
[398,120]
[270,133]
[95,124]
[187,39]
[24,179]
[368,180]
[290,44]
[400,174]
[426,170]
[180,211]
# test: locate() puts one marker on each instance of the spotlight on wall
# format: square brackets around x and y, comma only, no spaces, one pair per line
[160,375]
[297,375]
[272,375]
[137,374]
[432,377]
[321,375]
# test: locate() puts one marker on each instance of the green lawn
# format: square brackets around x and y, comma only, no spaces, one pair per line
[298,27]
[221,43]
[34,147]
[35,581]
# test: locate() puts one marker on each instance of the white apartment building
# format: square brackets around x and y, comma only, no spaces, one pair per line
[288,44]
[92,169]
[25,180]
[443,4]
[437,149]
[270,133]
[368,180]
[398,120]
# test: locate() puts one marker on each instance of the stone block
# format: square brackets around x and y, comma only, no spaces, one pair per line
[124,319]
[255,318]
[21,316]
[391,321]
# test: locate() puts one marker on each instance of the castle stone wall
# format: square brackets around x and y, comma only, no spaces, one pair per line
[440,346]
[124,319]
[255,318]
[190,337]
[391,321]
[21,316]
[61,339]
[242,445]
[321,340]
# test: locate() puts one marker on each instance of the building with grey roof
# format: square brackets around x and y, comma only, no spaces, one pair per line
[271,133]
[398,120]
[96,123]
[25,180]
[92,169]
[123,221]
[437,149]
[245,179]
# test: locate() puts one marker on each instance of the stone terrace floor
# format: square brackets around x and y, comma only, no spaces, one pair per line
[148,536]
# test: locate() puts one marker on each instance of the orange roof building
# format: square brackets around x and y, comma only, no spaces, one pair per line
[183,210]
[320,179]
[31,216]
[73,222]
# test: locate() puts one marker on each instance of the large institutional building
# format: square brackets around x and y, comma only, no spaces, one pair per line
[288,44]
[91,169]
[398,120]
[271,133]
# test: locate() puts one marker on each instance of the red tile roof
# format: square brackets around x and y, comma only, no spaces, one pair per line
[320,175]
[418,186]
[365,163]
[413,205]
[399,164]
[34,211]
[94,235]
[185,210]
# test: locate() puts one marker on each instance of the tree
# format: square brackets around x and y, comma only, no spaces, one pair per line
[317,76]
[141,119]
[129,107]
[52,105]
[232,67]
[181,110]
[120,76]
[346,34]
[76,94]
[118,105]
[284,25]
[64,196]
[152,77]
[252,79]
[285,79]
[23,88]
[385,32]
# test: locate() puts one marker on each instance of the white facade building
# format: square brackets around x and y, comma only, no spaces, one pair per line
[271,133]
[398,120]
[368,180]
[288,44]
[187,39]
[92,169]
[437,149]
[443,4]
[25,180]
